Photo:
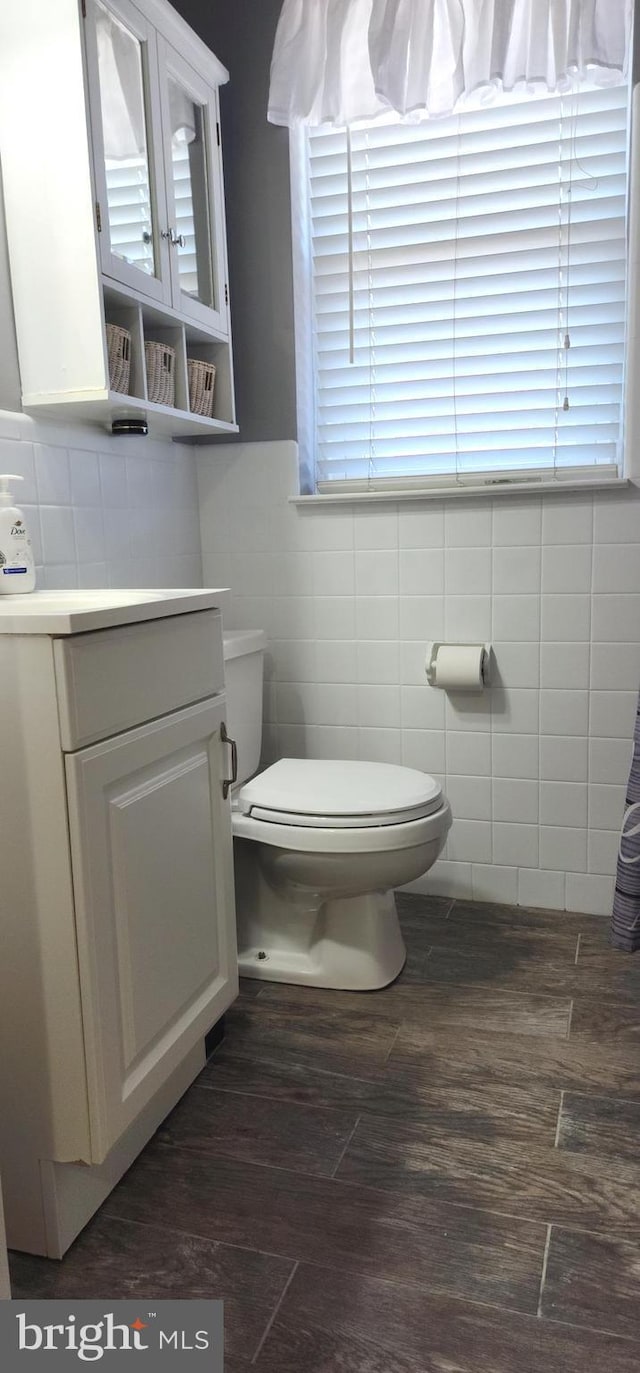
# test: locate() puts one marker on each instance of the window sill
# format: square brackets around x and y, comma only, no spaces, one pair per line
[439,493]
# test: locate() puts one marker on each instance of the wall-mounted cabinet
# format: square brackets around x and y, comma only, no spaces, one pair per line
[110,147]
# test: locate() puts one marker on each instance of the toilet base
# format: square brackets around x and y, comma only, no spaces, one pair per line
[352,943]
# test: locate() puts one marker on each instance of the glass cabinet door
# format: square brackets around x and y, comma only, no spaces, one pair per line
[123,89]
[194,191]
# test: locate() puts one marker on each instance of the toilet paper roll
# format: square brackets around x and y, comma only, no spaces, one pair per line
[458,667]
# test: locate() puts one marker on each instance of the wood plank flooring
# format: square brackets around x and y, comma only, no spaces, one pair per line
[441,1177]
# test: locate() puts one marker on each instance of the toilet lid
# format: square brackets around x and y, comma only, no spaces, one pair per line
[339,795]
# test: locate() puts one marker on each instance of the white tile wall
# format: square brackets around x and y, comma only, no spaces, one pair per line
[536,768]
[104,511]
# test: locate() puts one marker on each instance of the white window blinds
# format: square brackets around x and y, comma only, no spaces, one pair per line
[466,317]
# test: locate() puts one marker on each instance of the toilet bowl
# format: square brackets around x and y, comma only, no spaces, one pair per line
[319,846]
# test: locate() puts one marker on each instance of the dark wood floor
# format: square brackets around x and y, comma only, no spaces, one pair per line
[442,1177]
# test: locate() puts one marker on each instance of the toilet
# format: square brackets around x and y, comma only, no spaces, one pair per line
[319,846]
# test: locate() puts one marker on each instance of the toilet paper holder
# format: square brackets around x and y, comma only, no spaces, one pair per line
[484,676]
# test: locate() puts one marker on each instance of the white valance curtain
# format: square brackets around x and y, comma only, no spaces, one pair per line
[340,61]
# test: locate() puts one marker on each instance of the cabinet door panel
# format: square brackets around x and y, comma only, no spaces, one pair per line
[151,846]
[122,66]
[193,175]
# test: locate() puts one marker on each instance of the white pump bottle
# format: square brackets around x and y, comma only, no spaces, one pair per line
[17,570]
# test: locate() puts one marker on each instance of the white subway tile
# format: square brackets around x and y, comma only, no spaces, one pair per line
[333,573]
[606,806]
[494,884]
[467,619]
[515,664]
[423,749]
[334,617]
[564,712]
[467,571]
[293,617]
[610,760]
[467,524]
[515,845]
[380,745]
[422,707]
[444,879]
[376,529]
[617,516]
[421,617]
[377,617]
[593,895]
[325,529]
[564,665]
[467,710]
[615,667]
[52,474]
[515,799]
[422,526]
[93,575]
[113,480]
[566,568]
[514,710]
[58,538]
[331,741]
[516,618]
[567,519]
[413,664]
[469,797]
[468,754]
[515,755]
[613,714]
[563,759]
[332,703]
[89,534]
[563,803]
[516,570]
[17,457]
[421,571]
[378,661]
[296,660]
[603,848]
[469,841]
[541,889]
[379,706]
[377,572]
[293,574]
[566,618]
[517,522]
[616,567]
[563,849]
[616,618]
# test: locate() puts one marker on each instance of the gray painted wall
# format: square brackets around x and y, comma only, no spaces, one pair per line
[256,154]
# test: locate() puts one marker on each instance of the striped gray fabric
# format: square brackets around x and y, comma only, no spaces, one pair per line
[625,919]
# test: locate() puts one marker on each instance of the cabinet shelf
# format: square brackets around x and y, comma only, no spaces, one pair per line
[165,421]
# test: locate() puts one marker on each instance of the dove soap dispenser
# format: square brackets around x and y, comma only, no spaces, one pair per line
[17,570]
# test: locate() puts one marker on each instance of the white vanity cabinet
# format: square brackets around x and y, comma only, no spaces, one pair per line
[119,946]
[113,195]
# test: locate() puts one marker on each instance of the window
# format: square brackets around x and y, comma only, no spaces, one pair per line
[461,297]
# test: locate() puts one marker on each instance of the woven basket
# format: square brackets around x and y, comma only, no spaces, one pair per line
[119,354]
[161,372]
[202,377]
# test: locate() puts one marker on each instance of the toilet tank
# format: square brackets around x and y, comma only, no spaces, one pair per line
[243,672]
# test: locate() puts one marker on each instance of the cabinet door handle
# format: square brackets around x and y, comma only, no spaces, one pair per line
[177,240]
[229,781]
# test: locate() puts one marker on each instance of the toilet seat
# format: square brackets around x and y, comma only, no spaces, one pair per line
[403,834]
[322,794]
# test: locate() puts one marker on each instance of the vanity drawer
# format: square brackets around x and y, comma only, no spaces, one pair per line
[113,679]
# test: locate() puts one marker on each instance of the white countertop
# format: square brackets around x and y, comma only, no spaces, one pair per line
[75,612]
